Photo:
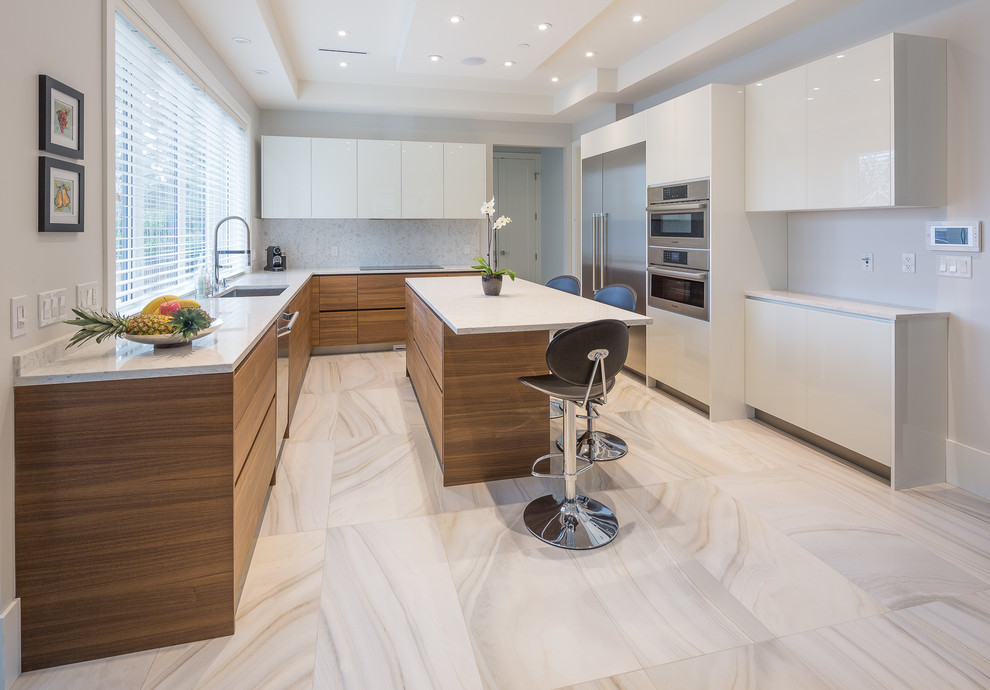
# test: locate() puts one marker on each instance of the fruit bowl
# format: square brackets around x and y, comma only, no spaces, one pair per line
[172,339]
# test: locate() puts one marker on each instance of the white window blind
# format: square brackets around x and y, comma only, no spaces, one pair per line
[181,166]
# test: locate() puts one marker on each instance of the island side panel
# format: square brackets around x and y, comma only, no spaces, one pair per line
[124,515]
[494,427]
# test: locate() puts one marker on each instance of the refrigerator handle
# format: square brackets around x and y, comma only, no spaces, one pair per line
[594,252]
[602,248]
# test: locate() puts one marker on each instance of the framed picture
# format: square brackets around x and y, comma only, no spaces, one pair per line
[61,111]
[61,190]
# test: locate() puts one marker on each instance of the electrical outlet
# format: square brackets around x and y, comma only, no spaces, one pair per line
[87,296]
[18,316]
[907,262]
[866,261]
[333,250]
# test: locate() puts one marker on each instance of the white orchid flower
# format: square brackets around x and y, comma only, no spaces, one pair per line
[488,208]
[502,222]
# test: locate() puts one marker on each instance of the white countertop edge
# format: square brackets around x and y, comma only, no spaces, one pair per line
[875,310]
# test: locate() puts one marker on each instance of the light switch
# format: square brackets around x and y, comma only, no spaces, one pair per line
[53,306]
[87,296]
[955,266]
[18,316]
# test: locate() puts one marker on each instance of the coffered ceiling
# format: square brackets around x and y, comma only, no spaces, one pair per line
[374,55]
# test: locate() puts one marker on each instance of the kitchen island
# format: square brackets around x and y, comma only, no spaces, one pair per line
[464,354]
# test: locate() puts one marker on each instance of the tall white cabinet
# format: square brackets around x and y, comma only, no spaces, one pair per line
[286,188]
[464,179]
[679,138]
[862,128]
[869,378]
[379,176]
[422,179]
[334,177]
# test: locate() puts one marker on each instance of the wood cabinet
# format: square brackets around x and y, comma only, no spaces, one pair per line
[422,179]
[379,174]
[465,176]
[679,138]
[364,309]
[137,503]
[863,128]
[286,184]
[334,178]
[300,344]
[873,386]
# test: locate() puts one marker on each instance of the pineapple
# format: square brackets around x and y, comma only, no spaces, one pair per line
[189,322]
[94,324]
[149,324]
[102,325]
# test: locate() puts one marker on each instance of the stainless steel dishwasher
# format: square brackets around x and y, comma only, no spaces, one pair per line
[286,322]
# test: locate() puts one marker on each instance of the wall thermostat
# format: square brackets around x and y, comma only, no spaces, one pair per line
[954,235]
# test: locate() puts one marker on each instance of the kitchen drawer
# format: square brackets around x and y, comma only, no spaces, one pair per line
[250,491]
[338,293]
[428,392]
[254,388]
[338,328]
[428,333]
[381,326]
[382,291]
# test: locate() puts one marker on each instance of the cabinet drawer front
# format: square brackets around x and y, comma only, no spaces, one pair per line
[381,326]
[430,397]
[381,291]
[300,345]
[338,328]
[250,491]
[428,333]
[338,293]
[257,371]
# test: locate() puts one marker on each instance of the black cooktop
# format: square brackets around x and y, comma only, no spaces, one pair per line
[399,268]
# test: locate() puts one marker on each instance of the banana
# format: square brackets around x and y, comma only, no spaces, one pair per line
[188,304]
[152,306]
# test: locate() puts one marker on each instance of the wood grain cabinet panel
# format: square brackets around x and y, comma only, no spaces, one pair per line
[250,491]
[382,291]
[338,328]
[300,345]
[381,326]
[338,293]
[254,389]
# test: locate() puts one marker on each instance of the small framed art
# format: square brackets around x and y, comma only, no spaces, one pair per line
[61,190]
[61,113]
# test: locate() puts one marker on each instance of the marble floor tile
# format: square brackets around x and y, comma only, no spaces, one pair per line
[893,569]
[300,499]
[772,445]
[534,621]
[315,417]
[764,666]
[354,372]
[377,478]
[369,412]
[783,585]
[274,644]
[876,653]
[389,616]
[125,671]
[637,680]
[958,628]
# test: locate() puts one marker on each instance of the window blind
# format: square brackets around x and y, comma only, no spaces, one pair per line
[181,166]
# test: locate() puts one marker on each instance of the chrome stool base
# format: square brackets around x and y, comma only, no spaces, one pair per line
[577,523]
[597,446]
[556,408]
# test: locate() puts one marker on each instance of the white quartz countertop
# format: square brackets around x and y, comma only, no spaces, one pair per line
[874,310]
[245,320]
[522,306]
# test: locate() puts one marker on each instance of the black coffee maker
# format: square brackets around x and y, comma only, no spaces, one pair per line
[276,259]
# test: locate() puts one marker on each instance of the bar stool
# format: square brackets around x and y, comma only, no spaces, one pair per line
[594,445]
[565,283]
[583,362]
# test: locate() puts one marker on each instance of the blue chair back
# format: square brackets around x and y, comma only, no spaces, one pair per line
[617,295]
[566,283]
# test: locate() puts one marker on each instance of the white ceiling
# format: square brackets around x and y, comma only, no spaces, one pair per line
[676,40]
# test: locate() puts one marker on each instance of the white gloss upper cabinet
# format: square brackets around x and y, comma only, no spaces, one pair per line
[679,138]
[777,155]
[465,176]
[379,175]
[874,123]
[286,185]
[334,175]
[422,179]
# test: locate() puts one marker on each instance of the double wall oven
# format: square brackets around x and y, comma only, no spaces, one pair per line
[678,252]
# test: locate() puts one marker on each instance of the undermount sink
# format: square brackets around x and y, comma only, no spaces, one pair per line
[254,291]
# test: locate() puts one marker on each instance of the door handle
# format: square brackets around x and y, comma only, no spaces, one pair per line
[603,248]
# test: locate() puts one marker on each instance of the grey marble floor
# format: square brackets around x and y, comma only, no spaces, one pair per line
[745,559]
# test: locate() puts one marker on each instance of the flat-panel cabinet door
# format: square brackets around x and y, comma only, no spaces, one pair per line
[285,177]
[422,179]
[334,175]
[379,178]
[777,142]
[850,142]
[661,144]
[776,360]
[693,118]
[465,179]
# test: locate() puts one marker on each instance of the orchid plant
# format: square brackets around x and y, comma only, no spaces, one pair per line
[481,263]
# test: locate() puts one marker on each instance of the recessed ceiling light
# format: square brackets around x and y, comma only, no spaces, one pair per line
[877,79]
[473,61]
[509,63]
[260,72]
[554,79]
[455,19]
[240,39]
[637,18]
[817,88]
[343,64]
[524,46]
[435,58]
[759,83]
[589,53]
[839,57]
[811,98]
[545,26]
[343,32]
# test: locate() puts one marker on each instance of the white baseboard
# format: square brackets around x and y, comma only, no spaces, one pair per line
[967,468]
[10,644]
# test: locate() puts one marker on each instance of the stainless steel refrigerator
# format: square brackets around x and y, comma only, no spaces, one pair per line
[613,232]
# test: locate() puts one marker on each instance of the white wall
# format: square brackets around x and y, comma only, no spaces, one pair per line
[824,247]
[71,50]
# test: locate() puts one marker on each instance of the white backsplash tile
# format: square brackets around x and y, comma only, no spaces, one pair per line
[362,242]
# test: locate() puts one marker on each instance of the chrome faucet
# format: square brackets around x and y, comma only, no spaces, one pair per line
[217,283]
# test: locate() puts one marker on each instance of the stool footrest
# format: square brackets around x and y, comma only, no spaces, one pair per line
[548,458]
